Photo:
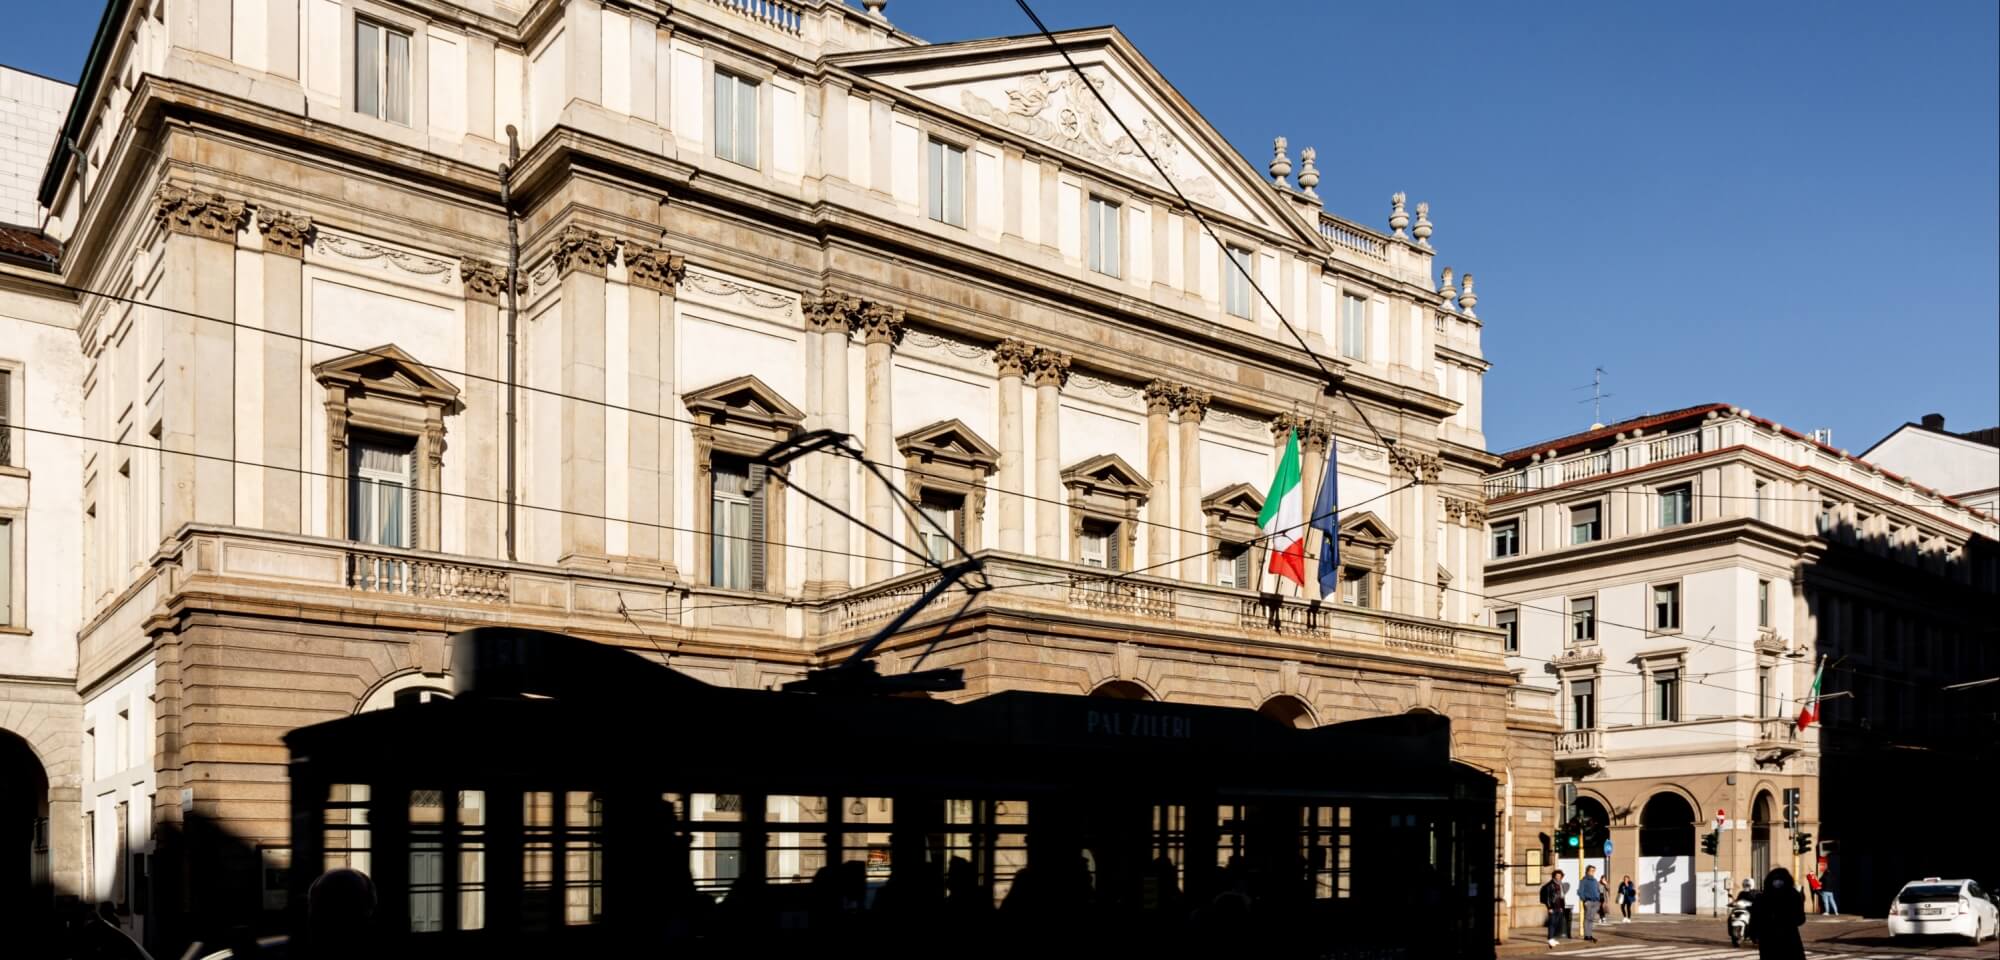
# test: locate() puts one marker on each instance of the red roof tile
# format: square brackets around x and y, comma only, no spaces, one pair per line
[1578,441]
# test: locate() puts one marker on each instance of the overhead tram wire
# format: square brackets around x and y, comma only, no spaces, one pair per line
[1332,382]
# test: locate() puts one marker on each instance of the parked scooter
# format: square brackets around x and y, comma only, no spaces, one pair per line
[1739,914]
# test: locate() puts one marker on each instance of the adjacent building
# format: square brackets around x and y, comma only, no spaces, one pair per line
[1674,581]
[325,433]
[1964,465]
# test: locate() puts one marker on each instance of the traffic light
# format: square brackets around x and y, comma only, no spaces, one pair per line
[1710,841]
[1802,843]
[1791,808]
[1571,839]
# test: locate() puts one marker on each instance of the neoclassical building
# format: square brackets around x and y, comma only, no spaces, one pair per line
[326,433]
[1673,582]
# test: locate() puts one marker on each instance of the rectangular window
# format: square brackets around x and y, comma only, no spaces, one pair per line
[1667,607]
[1676,505]
[1236,281]
[1586,523]
[381,72]
[1824,524]
[1763,492]
[947,183]
[1667,696]
[1506,538]
[379,501]
[6,418]
[942,522]
[736,547]
[1104,236]
[1583,620]
[6,572]
[1582,704]
[1764,603]
[736,118]
[1509,622]
[1764,691]
[1098,545]
[1353,327]
[1356,587]
[1232,568]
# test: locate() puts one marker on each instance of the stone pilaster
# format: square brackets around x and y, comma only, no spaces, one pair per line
[881,329]
[1049,370]
[199,373]
[484,406]
[1160,397]
[833,315]
[1011,358]
[286,235]
[653,277]
[581,258]
[1190,405]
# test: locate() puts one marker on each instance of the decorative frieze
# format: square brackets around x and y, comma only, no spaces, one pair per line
[196,213]
[1012,357]
[350,248]
[586,250]
[285,233]
[1049,367]
[655,268]
[757,297]
[484,281]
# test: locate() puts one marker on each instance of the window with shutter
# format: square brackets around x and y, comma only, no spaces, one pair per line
[758,526]
[6,418]
[1115,543]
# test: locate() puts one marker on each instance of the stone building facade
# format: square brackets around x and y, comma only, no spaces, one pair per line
[736,222]
[1673,583]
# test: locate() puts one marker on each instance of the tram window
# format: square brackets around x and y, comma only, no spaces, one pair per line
[1329,849]
[714,856]
[793,854]
[991,836]
[346,839]
[426,818]
[867,847]
[472,860]
[538,868]
[1170,847]
[583,858]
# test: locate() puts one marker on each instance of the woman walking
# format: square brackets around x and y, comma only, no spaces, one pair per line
[1627,892]
[1775,923]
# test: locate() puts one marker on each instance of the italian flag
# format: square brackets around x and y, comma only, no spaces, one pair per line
[1283,519]
[1810,715]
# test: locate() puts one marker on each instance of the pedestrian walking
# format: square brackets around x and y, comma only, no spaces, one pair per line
[1775,921]
[1552,900]
[1825,890]
[1590,896]
[1627,892]
[1812,887]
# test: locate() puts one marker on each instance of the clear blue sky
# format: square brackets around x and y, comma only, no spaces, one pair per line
[1792,206]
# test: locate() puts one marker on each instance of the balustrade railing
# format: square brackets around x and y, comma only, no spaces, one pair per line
[1121,596]
[1426,637]
[1675,445]
[879,605]
[1776,730]
[1589,465]
[407,576]
[1505,484]
[1347,236]
[1579,742]
[771,13]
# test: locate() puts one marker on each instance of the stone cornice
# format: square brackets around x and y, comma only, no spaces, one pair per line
[654,268]
[285,233]
[197,213]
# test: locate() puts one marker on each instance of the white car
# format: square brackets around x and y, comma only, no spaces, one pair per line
[1934,907]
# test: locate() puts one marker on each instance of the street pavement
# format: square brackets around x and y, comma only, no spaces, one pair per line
[1705,938]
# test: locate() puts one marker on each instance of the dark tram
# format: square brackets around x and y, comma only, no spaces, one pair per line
[577,800]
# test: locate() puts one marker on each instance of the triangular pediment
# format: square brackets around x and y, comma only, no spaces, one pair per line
[1236,501]
[1105,471]
[1023,86]
[744,398]
[951,441]
[1366,527]
[386,369]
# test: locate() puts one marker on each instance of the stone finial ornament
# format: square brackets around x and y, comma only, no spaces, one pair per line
[1446,289]
[1398,217]
[1308,171]
[1467,299]
[1422,231]
[875,9]
[1281,165]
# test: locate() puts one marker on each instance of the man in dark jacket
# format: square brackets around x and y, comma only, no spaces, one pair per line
[1552,899]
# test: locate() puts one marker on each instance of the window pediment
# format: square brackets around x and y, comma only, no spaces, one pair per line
[1365,529]
[745,400]
[387,371]
[1232,512]
[948,443]
[1107,475]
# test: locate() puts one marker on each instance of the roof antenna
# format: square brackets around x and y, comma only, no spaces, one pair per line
[1597,398]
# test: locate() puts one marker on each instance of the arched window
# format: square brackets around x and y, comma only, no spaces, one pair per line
[404,690]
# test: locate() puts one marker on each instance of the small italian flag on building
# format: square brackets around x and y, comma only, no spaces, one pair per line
[1283,518]
[1810,714]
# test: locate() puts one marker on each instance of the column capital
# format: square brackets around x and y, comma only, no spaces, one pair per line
[1049,367]
[484,281]
[1314,434]
[1012,357]
[578,248]
[1417,465]
[1161,396]
[197,213]
[880,323]
[654,268]
[831,311]
[285,233]
[1191,403]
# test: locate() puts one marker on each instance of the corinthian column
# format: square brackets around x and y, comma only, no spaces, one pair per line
[582,256]
[1012,357]
[1050,371]
[881,330]
[285,238]
[653,277]
[832,314]
[1190,405]
[1159,502]
[198,279]
[481,428]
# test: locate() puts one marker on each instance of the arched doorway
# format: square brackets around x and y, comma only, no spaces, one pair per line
[1121,690]
[25,893]
[1666,854]
[1289,711]
[1760,836]
[1589,848]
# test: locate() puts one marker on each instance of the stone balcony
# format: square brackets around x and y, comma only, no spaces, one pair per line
[1627,454]
[244,568]
[1580,751]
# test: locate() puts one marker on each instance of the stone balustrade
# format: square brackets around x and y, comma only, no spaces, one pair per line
[1353,238]
[782,17]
